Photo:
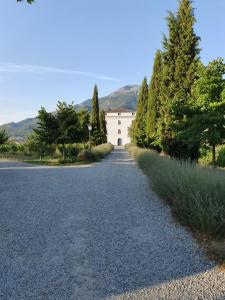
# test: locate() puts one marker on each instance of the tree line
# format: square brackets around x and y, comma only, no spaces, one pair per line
[65,127]
[183,107]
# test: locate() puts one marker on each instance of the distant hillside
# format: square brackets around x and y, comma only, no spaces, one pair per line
[126,98]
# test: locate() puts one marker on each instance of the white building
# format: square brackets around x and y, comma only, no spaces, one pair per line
[118,123]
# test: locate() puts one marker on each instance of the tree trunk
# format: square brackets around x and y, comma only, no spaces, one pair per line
[214,155]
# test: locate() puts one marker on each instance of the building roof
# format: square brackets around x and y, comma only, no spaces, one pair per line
[119,110]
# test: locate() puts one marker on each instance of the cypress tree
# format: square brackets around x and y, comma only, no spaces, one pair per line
[139,129]
[103,127]
[180,59]
[95,121]
[153,109]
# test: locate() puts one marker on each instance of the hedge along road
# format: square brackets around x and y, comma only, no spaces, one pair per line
[95,232]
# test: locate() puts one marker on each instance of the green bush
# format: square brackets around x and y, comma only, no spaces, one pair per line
[102,150]
[96,153]
[86,155]
[221,157]
[197,194]
[72,151]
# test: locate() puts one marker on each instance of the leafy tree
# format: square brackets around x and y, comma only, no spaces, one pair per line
[95,121]
[139,130]
[68,125]
[3,137]
[48,127]
[208,123]
[84,119]
[35,145]
[60,128]
[103,127]
[154,93]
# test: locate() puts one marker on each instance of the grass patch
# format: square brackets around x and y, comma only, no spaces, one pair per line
[196,195]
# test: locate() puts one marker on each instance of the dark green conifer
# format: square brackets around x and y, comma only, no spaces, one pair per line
[139,125]
[95,121]
[180,63]
[154,93]
[103,127]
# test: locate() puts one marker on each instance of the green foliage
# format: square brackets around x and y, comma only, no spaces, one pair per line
[48,127]
[3,137]
[221,157]
[96,153]
[28,1]
[103,128]
[84,119]
[64,127]
[208,122]
[68,125]
[95,121]
[139,125]
[35,146]
[180,63]
[154,94]
[196,194]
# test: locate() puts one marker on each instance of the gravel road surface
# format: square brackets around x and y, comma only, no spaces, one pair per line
[95,232]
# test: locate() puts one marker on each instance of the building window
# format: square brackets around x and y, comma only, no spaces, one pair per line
[133,113]
[119,122]
[119,114]
[119,131]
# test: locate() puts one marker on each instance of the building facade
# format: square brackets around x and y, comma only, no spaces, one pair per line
[118,123]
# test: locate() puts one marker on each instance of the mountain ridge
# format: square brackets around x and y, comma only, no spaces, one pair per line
[123,98]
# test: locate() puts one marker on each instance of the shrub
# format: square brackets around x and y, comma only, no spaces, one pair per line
[221,157]
[96,153]
[102,150]
[197,194]
[87,155]
[72,151]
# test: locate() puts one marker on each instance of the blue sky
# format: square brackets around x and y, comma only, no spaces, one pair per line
[57,50]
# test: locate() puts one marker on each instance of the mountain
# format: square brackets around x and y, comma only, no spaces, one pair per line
[125,97]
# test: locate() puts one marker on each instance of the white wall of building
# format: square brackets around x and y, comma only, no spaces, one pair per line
[118,124]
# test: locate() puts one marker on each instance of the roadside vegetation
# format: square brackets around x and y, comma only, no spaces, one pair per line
[195,194]
[63,137]
[182,110]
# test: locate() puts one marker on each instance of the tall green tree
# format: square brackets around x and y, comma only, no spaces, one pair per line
[208,123]
[48,127]
[153,109]
[180,65]
[3,137]
[95,121]
[84,120]
[139,129]
[103,127]
[68,125]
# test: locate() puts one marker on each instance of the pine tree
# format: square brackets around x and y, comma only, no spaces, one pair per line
[95,121]
[103,127]
[154,93]
[139,129]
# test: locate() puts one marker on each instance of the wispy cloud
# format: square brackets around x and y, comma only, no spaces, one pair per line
[38,70]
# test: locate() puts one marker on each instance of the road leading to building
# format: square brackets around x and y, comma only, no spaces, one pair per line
[95,232]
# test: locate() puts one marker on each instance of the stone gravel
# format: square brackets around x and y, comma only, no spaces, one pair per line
[95,232]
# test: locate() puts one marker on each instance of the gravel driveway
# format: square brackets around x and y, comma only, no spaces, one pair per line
[95,232]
